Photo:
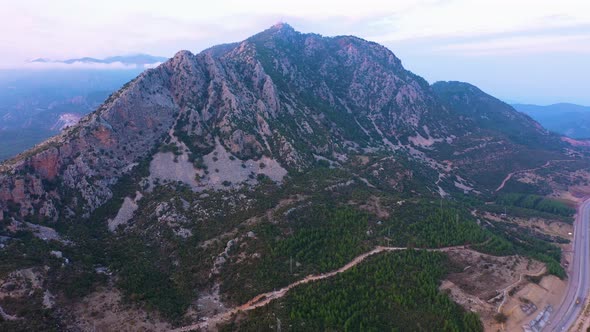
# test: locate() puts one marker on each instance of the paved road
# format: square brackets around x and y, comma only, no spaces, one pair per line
[579,275]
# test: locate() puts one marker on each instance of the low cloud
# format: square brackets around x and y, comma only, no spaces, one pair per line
[151,65]
[521,45]
[52,65]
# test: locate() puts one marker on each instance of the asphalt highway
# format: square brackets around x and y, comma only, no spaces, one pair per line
[579,275]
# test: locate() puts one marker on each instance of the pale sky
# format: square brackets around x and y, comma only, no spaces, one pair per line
[534,51]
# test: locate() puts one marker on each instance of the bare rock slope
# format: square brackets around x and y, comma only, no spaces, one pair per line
[280,94]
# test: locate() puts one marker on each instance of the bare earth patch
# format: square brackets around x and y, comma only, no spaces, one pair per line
[550,290]
[125,213]
[223,167]
[167,166]
[582,323]
[103,310]
[485,281]
[222,170]
[373,205]
[549,227]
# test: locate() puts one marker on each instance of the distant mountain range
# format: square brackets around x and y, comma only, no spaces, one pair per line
[567,119]
[136,59]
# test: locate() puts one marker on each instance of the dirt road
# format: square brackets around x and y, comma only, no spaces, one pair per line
[510,175]
[264,299]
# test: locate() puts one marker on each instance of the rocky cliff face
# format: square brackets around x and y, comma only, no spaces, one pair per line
[85,160]
[292,98]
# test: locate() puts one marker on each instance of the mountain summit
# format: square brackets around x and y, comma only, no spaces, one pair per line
[289,97]
[285,147]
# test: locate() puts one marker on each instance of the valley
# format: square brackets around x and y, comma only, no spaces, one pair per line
[567,119]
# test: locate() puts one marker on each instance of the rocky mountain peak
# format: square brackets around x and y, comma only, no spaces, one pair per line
[282,27]
[182,55]
[281,96]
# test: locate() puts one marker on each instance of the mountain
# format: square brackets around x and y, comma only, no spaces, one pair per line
[567,119]
[500,140]
[217,177]
[139,60]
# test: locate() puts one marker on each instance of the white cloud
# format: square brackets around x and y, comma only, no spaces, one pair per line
[550,43]
[73,28]
[78,65]
[151,65]
[461,18]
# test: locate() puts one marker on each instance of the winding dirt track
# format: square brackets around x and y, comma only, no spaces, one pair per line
[264,299]
[509,176]
[504,292]
[6,316]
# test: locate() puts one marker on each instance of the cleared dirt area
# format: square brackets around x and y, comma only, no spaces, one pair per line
[104,310]
[484,281]
[582,324]
[549,291]
[549,227]
[373,205]
[19,283]
[575,194]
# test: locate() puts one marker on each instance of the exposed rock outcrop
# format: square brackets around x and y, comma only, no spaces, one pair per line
[279,98]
